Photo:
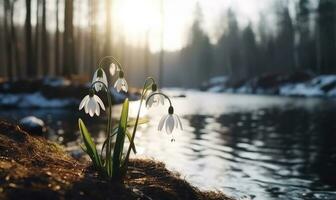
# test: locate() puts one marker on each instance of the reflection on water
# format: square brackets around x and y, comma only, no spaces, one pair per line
[264,147]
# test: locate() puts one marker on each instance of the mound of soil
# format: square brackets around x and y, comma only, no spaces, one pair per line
[34,168]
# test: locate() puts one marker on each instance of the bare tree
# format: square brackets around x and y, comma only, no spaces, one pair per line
[68,40]
[14,41]
[7,38]
[58,70]
[108,8]
[93,24]
[45,42]
[31,70]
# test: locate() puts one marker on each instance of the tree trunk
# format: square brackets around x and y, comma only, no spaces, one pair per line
[8,41]
[45,42]
[31,70]
[68,47]
[58,69]
[36,39]
[15,43]
[108,10]
[93,13]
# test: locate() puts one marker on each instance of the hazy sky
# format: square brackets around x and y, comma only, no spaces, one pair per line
[136,20]
[137,17]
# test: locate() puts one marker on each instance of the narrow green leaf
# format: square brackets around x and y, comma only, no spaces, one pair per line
[129,135]
[90,147]
[119,145]
[143,120]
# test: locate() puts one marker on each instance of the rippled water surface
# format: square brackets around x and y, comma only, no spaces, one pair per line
[259,146]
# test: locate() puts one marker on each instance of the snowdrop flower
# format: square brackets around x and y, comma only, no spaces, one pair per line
[121,83]
[170,121]
[113,68]
[91,104]
[154,99]
[99,75]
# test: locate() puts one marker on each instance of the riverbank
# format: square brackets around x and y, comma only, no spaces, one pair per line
[34,168]
[299,84]
[52,92]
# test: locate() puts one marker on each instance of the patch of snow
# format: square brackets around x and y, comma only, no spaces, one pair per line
[9,99]
[217,88]
[36,100]
[56,82]
[323,80]
[244,89]
[332,93]
[300,89]
[218,80]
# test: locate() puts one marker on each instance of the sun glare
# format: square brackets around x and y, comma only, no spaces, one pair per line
[140,20]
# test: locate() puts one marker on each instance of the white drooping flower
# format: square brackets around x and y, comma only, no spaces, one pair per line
[170,121]
[113,68]
[155,100]
[121,83]
[100,76]
[91,104]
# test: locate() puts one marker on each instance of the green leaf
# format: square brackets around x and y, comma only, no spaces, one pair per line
[129,135]
[143,120]
[90,147]
[119,145]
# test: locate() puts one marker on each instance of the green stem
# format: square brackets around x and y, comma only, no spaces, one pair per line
[112,59]
[108,160]
[159,93]
[137,120]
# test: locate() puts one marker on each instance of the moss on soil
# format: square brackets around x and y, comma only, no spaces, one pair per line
[34,168]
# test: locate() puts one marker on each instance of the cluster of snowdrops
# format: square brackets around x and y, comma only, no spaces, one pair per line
[114,163]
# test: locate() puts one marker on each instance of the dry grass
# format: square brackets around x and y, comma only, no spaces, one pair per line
[33,168]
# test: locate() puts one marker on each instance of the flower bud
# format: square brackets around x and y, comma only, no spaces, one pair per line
[171,110]
[121,74]
[154,87]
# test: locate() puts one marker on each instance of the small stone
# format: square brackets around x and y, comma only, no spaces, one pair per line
[33,125]
[56,187]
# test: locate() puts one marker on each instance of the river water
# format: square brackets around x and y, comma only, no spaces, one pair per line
[261,147]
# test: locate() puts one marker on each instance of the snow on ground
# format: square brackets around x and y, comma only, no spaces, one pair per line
[36,100]
[320,86]
[56,82]
[312,88]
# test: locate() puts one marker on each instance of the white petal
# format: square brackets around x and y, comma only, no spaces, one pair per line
[104,79]
[162,121]
[117,85]
[150,101]
[99,101]
[92,106]
[83,102]
[112,69]
[175,121]
[124,85]
[179,121]
[97,111]
[161,99]
[86,108]
[98,86]
[170,124]
[94,78]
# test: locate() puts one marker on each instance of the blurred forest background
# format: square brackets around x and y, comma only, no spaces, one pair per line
[40,38]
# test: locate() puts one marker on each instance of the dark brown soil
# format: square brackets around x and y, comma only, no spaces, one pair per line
[34,168]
